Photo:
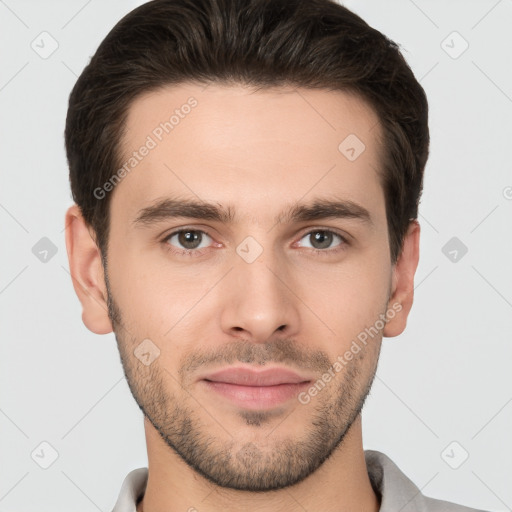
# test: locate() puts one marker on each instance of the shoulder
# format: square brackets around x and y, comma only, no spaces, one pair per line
[434,505]
[398,492]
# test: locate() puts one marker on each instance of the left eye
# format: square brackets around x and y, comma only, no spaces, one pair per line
[322,239]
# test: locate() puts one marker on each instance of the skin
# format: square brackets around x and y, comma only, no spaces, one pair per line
[291,307]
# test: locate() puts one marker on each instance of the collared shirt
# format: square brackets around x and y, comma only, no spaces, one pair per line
[397,492]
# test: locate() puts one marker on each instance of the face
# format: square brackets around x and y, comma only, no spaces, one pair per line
[230,313]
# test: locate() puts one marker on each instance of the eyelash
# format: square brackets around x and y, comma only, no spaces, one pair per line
[197,253]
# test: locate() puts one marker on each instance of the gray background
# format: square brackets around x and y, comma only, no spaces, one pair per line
[443,388]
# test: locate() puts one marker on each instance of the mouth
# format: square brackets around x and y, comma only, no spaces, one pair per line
[256,390]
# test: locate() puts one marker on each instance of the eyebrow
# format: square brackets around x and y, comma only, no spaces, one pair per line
[169,208]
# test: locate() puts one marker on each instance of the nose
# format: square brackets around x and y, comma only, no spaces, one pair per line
[258,301]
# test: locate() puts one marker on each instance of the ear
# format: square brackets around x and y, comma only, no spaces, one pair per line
[87,272]
[402,288]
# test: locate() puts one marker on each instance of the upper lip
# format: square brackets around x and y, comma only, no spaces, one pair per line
[249,377]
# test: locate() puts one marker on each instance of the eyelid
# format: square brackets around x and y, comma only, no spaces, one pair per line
[302,233]
[185,229]
[345,239]
[344,243]
[345,236]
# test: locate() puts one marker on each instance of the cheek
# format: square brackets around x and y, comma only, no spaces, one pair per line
[161,301]
[140,292]
[349,295]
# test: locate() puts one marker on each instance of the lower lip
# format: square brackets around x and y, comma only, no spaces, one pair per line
[257,397]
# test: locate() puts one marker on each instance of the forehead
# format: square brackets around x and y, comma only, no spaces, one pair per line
[234,145]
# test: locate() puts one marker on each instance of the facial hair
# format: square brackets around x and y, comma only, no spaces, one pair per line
[233,463]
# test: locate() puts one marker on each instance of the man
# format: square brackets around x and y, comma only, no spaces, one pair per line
[247,177]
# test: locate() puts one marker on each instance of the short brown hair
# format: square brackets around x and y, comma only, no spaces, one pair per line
[263,43]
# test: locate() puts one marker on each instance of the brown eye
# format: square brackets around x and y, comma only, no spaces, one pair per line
[187,239]
[323,239]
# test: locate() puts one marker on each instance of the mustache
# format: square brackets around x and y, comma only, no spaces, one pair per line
[285,351]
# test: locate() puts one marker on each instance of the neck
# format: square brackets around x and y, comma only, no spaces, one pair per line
[340,484]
